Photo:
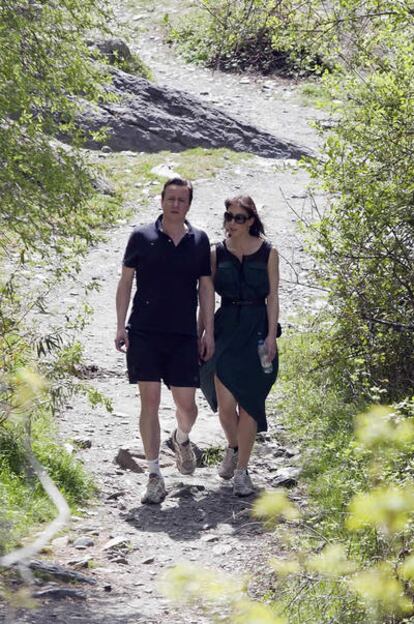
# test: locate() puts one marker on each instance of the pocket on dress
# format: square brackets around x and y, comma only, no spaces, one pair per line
[256,278]
[226,281]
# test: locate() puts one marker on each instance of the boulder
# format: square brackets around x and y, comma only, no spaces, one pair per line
[125,460]
[151,118]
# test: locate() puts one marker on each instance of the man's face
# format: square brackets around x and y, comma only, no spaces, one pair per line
[176,202]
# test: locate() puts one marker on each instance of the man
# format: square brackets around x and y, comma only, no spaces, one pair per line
[170,259]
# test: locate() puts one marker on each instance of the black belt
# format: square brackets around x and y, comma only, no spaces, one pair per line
[225,301]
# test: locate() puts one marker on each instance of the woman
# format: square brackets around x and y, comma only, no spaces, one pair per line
[246,276]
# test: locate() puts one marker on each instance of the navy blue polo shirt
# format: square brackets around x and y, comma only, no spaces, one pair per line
[166,276]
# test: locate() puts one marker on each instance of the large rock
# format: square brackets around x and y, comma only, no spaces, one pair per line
[125,460]
[151,118]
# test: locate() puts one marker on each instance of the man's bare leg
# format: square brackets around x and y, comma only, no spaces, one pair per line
[149,423]
[186,408]
[149,426]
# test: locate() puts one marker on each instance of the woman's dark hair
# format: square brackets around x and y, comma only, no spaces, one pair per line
[246,202]
[179,182]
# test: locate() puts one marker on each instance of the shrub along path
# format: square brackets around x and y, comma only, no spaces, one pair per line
[128,546]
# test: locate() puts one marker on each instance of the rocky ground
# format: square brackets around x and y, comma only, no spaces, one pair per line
[122,546]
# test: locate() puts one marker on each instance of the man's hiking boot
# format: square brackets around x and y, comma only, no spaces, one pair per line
[242,484]
[184,455]
[228,464]
[155,491]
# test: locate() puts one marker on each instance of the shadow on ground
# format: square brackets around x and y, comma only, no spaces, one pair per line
[73,612]
[190,511]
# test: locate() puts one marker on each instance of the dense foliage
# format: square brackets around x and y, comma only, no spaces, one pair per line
[232,36]
[50,215]
[365,239]
[44,61]
[289,35]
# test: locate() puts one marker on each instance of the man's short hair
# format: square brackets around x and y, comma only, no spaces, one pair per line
[179,182]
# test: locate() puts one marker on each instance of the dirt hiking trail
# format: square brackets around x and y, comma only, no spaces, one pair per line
[128,546]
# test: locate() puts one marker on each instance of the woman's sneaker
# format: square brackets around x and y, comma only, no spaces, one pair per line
[242,484]
[155,491]
[228,464]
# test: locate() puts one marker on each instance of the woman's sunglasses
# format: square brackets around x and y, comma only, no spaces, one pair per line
[238,218]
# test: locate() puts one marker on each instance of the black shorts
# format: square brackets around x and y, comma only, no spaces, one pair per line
[172,358]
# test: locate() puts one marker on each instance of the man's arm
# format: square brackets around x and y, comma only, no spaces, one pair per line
[123,295]
[206,315]
[200,320]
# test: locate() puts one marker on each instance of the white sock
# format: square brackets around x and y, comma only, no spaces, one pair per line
[154,466]
[180,436]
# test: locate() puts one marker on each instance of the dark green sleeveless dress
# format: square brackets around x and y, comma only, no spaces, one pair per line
[239,323]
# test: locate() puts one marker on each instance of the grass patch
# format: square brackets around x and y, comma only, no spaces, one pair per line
[133,176]
[314,93]
[211,456]
[205,163]
[23,502]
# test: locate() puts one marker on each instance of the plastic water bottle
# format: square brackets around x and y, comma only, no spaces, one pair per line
[267,366]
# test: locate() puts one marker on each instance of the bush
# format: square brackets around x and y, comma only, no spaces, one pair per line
[364,242]
[236,35]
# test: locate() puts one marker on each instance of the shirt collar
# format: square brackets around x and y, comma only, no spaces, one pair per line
[158,226]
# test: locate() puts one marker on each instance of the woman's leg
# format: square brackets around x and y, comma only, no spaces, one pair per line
[242,484]
[246,434]
[227,408]
[229,421]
